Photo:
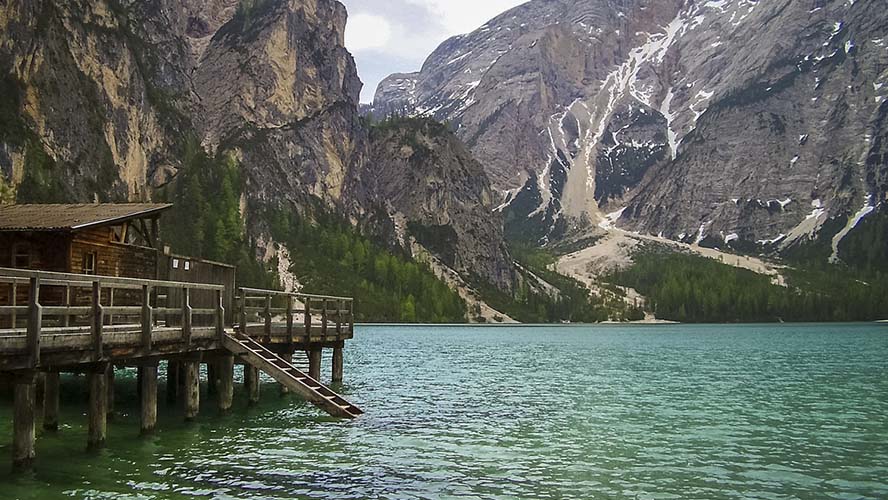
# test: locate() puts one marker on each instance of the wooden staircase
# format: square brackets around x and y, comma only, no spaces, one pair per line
[289,376]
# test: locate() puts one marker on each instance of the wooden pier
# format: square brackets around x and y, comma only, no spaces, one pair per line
[76,323]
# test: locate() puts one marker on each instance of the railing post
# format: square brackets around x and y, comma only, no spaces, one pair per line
[66,319]
[268,315]
[98,318]
[186,315]
[351,316]
[307,316]
[147,318]
[324,318]
[220,316]
[35,318]
[243,312]
[111,304]
[290,319]
[14,286]
[340,304]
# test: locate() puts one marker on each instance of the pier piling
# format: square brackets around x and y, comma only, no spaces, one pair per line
[251,380]
[314,362]
[97,411]
[337,362]
[148,396]
[192,389]
[23,420]
[225,371]
[150,329]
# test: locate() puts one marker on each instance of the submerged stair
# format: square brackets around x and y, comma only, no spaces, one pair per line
[289,376]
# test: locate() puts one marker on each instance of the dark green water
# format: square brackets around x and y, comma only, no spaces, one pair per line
[788,411]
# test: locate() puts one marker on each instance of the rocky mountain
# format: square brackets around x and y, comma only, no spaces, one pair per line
[110,99]
[441,197]
[756,124]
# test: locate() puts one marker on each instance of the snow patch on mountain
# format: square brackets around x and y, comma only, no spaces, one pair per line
[868,207]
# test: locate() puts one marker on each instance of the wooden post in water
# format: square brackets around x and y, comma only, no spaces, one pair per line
[148,395]
[314,362]
[35,318]
[251,380]
[225,372]
[23,420]
[337,361]
[51,401]
[97,411]
[192,389]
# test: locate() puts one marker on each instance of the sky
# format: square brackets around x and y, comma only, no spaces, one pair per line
[396,36]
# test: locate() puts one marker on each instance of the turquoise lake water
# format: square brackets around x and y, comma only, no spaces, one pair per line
[646,412]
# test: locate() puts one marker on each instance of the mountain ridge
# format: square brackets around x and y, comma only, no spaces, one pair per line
[650,109]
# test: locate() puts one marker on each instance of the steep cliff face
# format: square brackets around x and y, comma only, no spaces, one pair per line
[120,99]
[730,120]
[427,179]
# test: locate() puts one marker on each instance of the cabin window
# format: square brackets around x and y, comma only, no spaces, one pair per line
[187,265]
[21,256]
[89,263]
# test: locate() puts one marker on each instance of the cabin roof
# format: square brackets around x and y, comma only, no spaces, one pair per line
[73,217]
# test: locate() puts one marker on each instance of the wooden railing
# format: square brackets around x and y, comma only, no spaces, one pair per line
[62,303]
[264,306]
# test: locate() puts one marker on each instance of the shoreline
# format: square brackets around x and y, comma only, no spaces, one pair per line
[615,323]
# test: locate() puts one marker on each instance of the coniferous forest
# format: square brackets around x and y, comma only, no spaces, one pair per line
[694,289]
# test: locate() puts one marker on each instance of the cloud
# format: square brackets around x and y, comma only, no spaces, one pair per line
[396,36]
[367,31]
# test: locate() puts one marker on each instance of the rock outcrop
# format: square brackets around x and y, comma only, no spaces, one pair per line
[730,121]
[106,100]
[424,176]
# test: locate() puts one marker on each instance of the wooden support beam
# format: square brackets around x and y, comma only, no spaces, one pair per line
[35,318]
[267,315]
[13,293]
[220,316]
[307,316]
[314,362]
[226,382]
[337,362]
[187,315]
[192,389]
[324,318]
[340,305]
[242,323]
[147,318]
[97,321]
[66,319]
[97,412]
[23,437]
[290,319]
[251,380]
[148,396]
[51,401]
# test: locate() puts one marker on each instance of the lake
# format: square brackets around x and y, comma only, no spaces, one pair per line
[665,411]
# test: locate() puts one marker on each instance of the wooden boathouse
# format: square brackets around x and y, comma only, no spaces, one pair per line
[89,288]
